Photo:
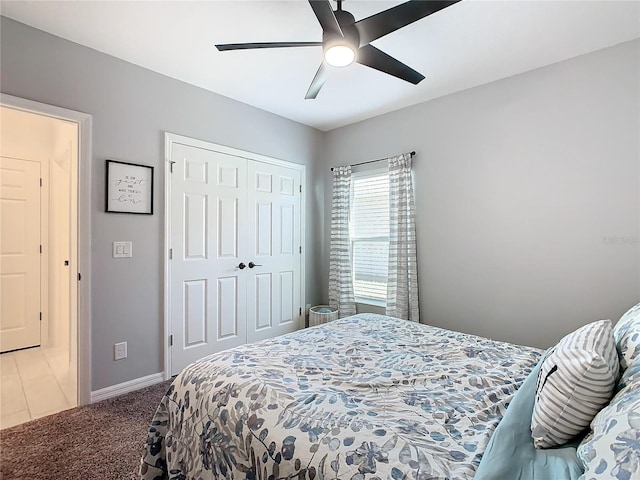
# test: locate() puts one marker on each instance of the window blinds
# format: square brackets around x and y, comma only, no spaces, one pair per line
[369,232]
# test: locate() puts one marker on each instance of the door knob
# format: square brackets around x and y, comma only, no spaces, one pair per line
[251,265]
[241,266]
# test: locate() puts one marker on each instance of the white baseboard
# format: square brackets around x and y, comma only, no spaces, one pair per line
[126,387]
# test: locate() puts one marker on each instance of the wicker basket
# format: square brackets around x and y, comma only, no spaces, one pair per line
[322,314]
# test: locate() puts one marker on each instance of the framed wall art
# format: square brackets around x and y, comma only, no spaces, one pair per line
[129,188]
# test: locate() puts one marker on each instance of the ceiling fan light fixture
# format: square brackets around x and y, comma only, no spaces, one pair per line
[339,55]
[345,40]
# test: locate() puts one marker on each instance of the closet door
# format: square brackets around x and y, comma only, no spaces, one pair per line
[274,251]
[209,237]
[235,270]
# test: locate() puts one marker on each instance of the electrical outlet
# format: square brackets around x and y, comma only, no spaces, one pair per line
[120,351]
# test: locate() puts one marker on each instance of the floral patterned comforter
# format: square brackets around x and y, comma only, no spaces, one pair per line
[364,397]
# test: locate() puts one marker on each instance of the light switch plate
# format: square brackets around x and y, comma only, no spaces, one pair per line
[122,250]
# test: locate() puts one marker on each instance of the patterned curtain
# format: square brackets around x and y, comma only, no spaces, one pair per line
[340,279]
[402,283]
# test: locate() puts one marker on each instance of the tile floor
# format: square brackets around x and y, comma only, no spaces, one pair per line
[35,382]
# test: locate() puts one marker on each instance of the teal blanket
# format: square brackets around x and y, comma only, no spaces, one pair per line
[511,454]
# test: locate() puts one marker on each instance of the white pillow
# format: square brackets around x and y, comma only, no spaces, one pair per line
[576,379]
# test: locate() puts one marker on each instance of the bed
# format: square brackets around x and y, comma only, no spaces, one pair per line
[364,397]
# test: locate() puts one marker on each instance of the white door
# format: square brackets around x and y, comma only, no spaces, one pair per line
[19,254]
[273,286]
[208,207]
[235,271]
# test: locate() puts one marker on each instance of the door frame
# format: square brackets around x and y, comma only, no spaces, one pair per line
[170,140]
[81,289]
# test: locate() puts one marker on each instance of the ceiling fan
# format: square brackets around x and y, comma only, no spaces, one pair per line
[345,40]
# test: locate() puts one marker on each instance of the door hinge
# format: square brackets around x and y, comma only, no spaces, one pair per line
[300,249]
[40,182]
[300,311]
[171,166]
[40,248]
[171,254]
[40,316]
[79,276]
[171,340]
[300,188]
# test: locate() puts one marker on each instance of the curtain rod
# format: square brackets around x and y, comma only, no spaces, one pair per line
[371,161]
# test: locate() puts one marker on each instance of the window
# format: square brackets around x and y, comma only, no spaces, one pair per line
[369,234]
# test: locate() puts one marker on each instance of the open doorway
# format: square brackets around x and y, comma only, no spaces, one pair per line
[39,266]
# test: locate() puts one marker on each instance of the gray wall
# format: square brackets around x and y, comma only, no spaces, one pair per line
[132,108]
[527,189]
[527,193]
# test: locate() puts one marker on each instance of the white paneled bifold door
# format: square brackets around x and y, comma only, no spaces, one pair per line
[273,277]
[235,238]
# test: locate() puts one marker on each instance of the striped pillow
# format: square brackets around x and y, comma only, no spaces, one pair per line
[576,380]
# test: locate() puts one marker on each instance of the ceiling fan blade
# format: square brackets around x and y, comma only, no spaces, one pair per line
[246,46]
[374,58]
[317,82]
[326,17]
[380,24]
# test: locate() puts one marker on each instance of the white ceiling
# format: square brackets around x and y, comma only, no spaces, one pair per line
[465,45]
